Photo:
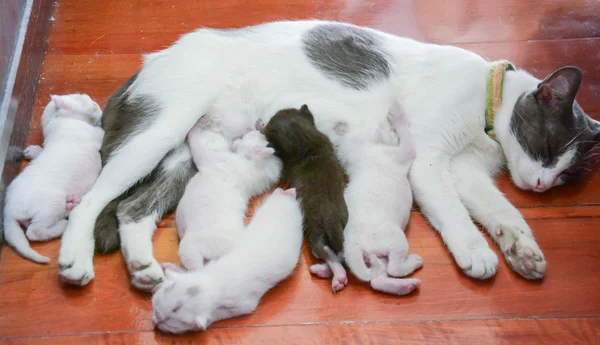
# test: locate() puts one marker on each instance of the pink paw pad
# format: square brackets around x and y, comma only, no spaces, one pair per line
[321,270]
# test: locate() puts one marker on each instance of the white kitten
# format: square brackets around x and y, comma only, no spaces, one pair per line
[265,254]
[210,215]
[379,202]
[41,197]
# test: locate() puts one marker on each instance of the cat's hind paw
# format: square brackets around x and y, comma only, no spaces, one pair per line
[338,283]
[478,263]
[321,270]
[526,258]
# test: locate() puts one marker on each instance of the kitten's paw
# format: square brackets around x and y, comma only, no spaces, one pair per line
[32,151]
[338,283]
[72,201]
[76,267]
[526,258]
[395,286]
[146,276]
[321,270]
[478,263]
[34,233]
[401,267]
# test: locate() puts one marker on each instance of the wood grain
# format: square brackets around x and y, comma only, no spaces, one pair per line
[480,332]
[96,45]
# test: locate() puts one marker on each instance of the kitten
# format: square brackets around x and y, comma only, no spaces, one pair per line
[40,198]
[310,166]
[379,211]
[210,215]
[265,254]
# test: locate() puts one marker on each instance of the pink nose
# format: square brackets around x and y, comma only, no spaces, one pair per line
[541,186]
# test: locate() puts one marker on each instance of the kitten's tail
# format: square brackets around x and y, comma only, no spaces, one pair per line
[354,257]
[15,237]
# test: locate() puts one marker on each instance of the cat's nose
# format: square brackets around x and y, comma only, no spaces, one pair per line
[541,186]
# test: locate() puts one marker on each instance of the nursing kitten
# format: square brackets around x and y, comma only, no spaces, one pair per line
[40,198]
[310,166]
[379,202]
[210,215]
[264,254]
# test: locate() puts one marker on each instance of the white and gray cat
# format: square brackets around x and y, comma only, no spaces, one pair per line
[39,200]
[265,254]
[211,213]
[356,75]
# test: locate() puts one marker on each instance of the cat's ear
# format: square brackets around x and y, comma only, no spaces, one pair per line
[61,102]
[200,323]
[560,87]
[263,151]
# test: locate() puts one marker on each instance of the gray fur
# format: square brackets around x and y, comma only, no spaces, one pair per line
[347,53]
[159,192]
[548,122]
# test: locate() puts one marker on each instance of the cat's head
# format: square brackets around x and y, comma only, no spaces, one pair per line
[183,303]
[292,130]
[548,140]
[75,106]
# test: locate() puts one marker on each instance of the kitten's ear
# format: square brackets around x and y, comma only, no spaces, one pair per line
[278,191]
[304,109]
[263,151]
[290,192]
[61,102]
[307,113]
[200,323]
[560,87]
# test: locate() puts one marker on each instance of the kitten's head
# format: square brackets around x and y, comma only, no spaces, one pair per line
[75,106]
[253,145]
[292,131]
[550,139]
[184,302]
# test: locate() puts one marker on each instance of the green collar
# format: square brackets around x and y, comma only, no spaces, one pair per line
[493,99]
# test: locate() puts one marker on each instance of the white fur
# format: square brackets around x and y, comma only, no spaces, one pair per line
[58,175]
[265,254]
[441,89]
[210,215]
[379,199]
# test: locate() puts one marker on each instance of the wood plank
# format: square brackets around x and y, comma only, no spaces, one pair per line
[90,26]
[484,332]
[571,246]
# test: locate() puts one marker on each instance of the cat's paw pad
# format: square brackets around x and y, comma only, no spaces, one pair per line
[32,151]
[526,258]
[478,263]
[72,201]
[146,276]
[76,268]
[321,270]
[338,283]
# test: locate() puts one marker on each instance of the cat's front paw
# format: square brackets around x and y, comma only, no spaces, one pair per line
[146,276]
[526,258]
[478,263]
[76,266]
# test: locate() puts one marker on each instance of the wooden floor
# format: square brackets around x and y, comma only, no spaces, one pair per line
[96,44]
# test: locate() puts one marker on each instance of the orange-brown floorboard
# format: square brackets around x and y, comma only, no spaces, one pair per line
[95,45]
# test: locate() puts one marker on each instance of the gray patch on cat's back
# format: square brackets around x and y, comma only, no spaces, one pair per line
[193,291]
[349,54]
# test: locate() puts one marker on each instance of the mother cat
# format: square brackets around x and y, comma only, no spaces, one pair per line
[345,74]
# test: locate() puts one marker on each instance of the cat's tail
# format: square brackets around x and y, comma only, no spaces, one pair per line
[106,229]
[15,237]
[355,260]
